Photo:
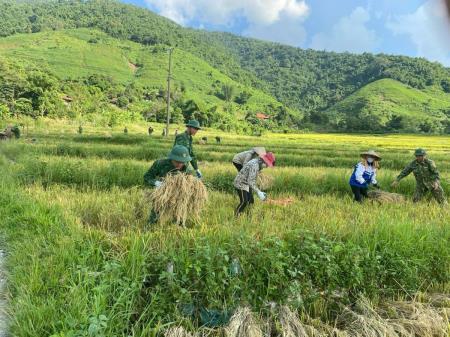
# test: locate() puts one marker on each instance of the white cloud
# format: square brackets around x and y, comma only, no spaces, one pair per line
[350,34]
[287,31]
[225,12]
[428,29]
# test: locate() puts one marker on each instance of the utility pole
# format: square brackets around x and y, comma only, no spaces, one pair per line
[169,77]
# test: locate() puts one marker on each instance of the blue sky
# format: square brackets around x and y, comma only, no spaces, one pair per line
[407,27]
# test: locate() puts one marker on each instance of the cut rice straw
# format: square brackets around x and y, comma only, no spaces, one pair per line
[243,324]
[265,181]
[181,197]
[178,331]
[385,197]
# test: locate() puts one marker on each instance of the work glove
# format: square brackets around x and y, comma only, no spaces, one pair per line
[199,174]
[394,183]
[261,195]
[158,184]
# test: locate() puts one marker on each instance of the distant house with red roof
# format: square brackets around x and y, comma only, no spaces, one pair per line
[262,116]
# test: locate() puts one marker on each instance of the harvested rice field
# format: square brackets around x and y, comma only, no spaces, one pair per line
[82,259]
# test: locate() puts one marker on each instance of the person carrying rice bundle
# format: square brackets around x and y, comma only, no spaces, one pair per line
[185,139]
[364,174]
[242,158]
[427,177]
[246,181]
[176,162]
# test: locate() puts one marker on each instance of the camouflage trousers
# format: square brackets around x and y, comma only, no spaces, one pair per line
[422,190]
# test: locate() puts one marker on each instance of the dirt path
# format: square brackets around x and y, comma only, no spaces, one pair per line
[3,298]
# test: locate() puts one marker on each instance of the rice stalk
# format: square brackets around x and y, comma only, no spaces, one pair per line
[265,181]
[178,331]
[292,326]
[181,197]
[418,319]
[366,322]
[385,197]
[243,324]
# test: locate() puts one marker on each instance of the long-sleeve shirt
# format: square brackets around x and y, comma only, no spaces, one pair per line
[186,140]
[243,158]
[363,175]
[246,178]
[425,172]
[159,170]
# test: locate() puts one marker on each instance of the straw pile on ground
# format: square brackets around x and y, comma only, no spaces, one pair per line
[264,181]
[418,319]
[362,319]
[291,325]
[181,197]
[281,202]
[243,324]
[365,321]
[385,197]
[178,331]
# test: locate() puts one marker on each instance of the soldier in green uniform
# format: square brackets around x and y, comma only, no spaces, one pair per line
[176,162]
[427,177]
[185,139]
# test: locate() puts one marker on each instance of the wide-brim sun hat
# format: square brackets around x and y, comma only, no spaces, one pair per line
[269,159]
[180,153]
[260,151]
[194,124]
[371,153]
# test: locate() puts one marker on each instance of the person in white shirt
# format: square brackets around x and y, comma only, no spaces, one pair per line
[365,174]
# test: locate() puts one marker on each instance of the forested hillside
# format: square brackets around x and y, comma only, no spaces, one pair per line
[307,83]
[85,73]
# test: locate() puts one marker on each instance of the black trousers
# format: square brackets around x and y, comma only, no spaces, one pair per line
[245,200]
[359,192]
[239,168]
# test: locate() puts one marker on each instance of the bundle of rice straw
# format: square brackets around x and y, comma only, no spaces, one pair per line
[383,196]
[264,181]
[243,324]
[178,331]
[418,319]
[281,202]
[366,322]
[292,327]
[182,196]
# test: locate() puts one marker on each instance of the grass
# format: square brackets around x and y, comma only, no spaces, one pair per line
[82,261]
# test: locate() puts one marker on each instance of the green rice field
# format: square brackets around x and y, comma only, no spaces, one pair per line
[82,260]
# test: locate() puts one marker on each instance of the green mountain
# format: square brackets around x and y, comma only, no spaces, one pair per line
[390,105]
[79,54]
[307,83]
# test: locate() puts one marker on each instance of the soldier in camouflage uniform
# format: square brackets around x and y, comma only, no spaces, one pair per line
[176,162]
[427,177]
[185,139]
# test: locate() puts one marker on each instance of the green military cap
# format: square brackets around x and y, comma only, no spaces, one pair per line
[194,124]
[420,152]
[180,153]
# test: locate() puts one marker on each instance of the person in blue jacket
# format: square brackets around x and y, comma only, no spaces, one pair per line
[365,174]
